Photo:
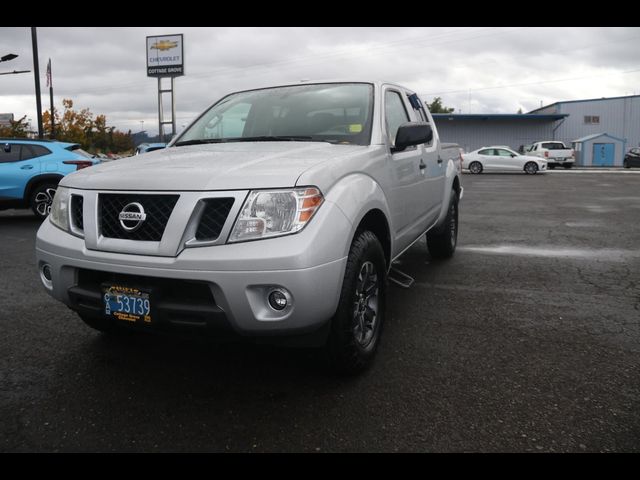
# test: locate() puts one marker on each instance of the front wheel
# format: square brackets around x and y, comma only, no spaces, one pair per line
[475,167]
[531,168]
[42,199]
[357,324]
[625,164]
[442,242]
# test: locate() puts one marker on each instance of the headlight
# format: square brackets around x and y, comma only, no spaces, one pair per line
[271,213]
[59,214]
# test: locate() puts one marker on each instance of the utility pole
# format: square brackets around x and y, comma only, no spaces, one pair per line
[36,73]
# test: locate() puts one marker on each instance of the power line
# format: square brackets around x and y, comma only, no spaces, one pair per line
[466,90]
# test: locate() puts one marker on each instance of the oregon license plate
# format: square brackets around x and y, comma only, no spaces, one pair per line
[125,303]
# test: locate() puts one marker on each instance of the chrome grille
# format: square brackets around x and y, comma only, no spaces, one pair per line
[157,208]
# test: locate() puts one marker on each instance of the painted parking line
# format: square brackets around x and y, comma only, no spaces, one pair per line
[607,254]
[603,170]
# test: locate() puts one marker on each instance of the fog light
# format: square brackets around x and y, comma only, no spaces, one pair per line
[46,276]
[278,300]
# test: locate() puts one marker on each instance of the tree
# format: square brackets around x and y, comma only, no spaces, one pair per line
[437,107]
[16,129]
[80,127]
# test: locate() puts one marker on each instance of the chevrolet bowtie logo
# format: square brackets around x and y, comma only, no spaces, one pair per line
[164,45]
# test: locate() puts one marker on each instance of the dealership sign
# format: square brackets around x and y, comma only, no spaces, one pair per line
[165,56]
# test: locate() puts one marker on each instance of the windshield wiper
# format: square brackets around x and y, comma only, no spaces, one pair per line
[200,141]
[274,138]
[262,138]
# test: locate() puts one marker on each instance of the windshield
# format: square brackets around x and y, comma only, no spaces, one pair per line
[333,112]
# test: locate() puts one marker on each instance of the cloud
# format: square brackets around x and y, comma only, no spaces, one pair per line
[473,69]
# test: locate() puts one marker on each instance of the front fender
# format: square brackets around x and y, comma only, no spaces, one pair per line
[356,195]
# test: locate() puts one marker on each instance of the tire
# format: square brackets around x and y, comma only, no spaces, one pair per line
[625,164]
[102,324]
[42,198]
[442,242]
[567,166]
[531,168]
[475,167]
[357,324]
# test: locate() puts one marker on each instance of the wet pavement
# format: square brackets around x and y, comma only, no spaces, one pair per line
[528,340]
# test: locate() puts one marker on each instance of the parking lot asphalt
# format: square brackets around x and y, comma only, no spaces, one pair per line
[528,340]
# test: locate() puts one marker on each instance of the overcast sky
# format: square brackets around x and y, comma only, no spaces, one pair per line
[473,69]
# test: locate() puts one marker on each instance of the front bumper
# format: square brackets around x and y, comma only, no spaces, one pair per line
[310,265]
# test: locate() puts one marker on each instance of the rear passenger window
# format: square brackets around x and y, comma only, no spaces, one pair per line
[395,113]
[34,151]
[13,155]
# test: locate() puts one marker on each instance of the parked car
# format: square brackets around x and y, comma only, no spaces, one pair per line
[31,169]
[554,152]
[501,159]
[149,147]
[283,226]
[632,158]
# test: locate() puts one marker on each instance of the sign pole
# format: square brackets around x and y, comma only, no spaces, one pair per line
[160,112]
[165,58]
[173,109]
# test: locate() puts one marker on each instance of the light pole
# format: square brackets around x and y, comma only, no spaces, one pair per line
[36,71]
[6,58]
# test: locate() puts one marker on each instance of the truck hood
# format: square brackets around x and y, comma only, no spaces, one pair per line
[220,166]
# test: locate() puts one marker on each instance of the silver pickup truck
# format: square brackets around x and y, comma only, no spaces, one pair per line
[275,215]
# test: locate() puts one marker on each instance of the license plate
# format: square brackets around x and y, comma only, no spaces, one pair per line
[129,304]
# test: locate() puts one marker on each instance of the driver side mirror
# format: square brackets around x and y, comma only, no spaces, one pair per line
[7,148]
[513,155]
[412,133]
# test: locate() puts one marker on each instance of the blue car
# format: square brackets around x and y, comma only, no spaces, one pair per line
[149,147]
[31,169]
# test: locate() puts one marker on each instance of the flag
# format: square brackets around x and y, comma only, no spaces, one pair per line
[49,82]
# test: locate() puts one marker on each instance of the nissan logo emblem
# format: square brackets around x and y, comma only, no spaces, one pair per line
[132,216]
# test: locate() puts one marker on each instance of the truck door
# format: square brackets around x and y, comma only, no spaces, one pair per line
[435,167]
[407,193]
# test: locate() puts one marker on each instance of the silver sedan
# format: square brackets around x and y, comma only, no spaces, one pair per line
[501,159]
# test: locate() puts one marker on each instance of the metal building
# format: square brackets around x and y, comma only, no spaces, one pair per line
[617,117]
[472,131]
[599,150]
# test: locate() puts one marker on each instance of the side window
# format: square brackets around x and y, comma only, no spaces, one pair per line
[395,113]
[33,151]
[503,153]
[10,152]
[486,152]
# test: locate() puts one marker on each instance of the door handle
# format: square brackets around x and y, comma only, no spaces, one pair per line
[439,160]
[422,166]
[26,167]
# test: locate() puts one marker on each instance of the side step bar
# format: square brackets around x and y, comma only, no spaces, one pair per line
[400,278]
